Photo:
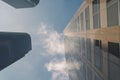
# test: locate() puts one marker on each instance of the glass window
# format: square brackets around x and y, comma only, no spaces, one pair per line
[78,24]
[96,14]
[114,49]
[98,77]
[80,46]
[112,13]
[75,26]
[82,21]
[83,46]
[87,18]
[114,71]
[88,47]
[98,54]
[84,71]
[89,74]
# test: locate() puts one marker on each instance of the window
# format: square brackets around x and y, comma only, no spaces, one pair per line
[114,71]
[112,13]
[97,54]
[98,78]
[78,24]
[79,72]
[84,71]
[88,47]
[87,18]
[76,49]
[114,49]
[82,21]
[96,14]
[83,46]
[75,24]
[89,74]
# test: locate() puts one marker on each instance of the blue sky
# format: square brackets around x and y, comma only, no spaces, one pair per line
[45,23]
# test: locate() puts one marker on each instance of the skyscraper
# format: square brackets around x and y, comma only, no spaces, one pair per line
[92,41]
[13,46]
[22,3]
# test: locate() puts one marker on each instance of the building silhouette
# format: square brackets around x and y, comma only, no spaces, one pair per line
[22,3]
[13,46]
[92,41]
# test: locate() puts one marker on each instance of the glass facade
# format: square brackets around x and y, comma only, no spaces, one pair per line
[81,69]
[97,47]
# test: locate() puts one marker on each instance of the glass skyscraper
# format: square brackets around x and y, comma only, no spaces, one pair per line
[92,41]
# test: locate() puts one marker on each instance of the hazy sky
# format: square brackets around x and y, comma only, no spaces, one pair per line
[45,23]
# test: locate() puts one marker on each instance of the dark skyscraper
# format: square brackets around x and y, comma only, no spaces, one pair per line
[13,46]
[22,3]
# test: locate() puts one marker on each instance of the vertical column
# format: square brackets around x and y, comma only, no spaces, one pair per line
[103,16]
[103,13]
[92,51]
[105,59]
[91,15]
[84,22]
[119,10]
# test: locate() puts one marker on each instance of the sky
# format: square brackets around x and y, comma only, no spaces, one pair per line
[45,23]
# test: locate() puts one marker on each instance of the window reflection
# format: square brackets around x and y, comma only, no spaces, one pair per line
[98,54]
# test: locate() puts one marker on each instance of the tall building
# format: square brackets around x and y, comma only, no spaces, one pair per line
[92,41]
[13,46]
[22,3]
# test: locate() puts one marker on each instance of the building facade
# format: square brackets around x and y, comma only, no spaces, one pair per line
[92,41]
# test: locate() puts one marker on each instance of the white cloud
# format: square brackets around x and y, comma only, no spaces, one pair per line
[58,69]
[53,43]
[51,39]
[56,65]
